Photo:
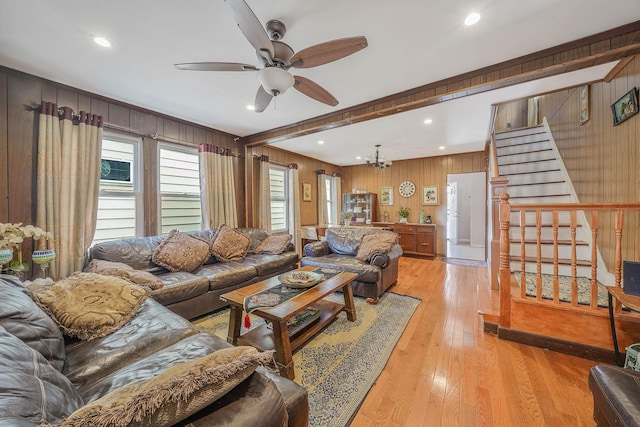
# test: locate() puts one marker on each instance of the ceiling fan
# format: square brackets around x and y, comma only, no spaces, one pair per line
[277,57]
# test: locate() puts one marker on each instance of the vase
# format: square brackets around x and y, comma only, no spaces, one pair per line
[43,258]
[6,255]
[403,220]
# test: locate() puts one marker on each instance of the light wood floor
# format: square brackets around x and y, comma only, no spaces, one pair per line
[446,371]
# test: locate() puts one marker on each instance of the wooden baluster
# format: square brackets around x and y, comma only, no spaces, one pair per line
[556,282]
[573,225]
[594,259]
[618,260]
[538,255]
[523,265]
[505,271]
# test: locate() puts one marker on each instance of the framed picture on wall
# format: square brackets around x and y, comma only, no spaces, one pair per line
[386,196]
[583,103]
[430,195]
[625,107]
[306,192]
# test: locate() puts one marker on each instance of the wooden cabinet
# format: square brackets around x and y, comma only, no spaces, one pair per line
[415,239]
[361,206]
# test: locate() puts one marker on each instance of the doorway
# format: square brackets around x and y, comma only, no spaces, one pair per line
[466,213]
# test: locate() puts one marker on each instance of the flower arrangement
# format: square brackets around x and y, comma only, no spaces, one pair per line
[12,235]
[404,212]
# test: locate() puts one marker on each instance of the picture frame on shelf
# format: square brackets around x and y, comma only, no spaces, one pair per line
[583,104]
[430,195]
[625,107]
[386,196]
[306,192]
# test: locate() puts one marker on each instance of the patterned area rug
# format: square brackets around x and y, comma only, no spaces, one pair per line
[341,363]
[467,262]
[584,288]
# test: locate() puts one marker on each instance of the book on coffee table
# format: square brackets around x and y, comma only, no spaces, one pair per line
[301,320]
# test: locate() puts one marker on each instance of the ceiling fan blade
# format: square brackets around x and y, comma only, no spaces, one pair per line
[314,90]
[263,99]
[215,66]
[330,51]
[250,26]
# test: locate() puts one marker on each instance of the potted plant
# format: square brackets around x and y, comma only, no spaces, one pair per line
[12,236]
[404,214]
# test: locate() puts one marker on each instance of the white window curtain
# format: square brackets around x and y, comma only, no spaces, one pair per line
[336,180]
[68,183]
[323,215]
[294,218]
[217,187]
[264,201]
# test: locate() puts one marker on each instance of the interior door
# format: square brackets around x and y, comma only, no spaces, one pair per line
[452,212]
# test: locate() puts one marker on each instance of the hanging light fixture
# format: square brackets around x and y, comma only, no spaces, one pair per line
[275,80]
[378,160]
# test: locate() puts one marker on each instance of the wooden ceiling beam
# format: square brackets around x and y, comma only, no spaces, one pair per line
[612,45]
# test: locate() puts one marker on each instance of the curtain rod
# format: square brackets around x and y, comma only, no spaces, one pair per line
[136,132]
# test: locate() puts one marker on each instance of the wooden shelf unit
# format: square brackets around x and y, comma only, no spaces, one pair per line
[361,202]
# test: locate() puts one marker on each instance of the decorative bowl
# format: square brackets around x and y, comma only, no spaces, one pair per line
[299,279]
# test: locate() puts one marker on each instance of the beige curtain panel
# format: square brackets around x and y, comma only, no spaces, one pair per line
[294,196]
[323,215]
[68,183]
[217,191]
[264,201]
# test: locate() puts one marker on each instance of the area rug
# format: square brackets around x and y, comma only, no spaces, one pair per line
[584,288]
[467,262]
[341,363]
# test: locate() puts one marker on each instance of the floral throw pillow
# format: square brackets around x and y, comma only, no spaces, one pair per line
[372,243]
[229,245]
[181,252]
[274,244]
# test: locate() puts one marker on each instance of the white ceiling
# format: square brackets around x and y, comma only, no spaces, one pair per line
[411,43]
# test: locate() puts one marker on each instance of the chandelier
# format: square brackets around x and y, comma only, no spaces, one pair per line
[378,161]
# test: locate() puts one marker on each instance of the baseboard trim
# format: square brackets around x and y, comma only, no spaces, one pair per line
[584,351]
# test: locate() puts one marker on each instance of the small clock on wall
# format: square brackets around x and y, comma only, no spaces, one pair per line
[406,189]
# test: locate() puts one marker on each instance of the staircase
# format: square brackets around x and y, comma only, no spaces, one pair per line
[529,158]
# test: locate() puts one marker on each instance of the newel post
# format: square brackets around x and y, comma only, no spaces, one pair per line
[505,270]
[498,186]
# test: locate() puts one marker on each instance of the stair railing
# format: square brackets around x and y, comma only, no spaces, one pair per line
[506,208]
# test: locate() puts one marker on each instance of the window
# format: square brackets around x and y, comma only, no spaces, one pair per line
[179,187]
[278,183]
[119,199]
[333,204]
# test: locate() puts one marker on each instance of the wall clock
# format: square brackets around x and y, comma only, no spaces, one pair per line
[406,189]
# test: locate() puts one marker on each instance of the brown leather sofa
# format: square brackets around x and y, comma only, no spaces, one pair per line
[616,396]
[192,294]
[338,251]
[44,378]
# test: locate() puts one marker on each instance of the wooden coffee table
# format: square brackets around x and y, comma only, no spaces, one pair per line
[264,338]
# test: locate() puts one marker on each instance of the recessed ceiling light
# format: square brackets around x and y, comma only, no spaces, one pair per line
[251,107]
[441,147]
[472,18]
[428,121]
[358,157]
[102,41]
[321,142]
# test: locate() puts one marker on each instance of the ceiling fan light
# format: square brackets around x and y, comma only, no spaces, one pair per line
[275,80]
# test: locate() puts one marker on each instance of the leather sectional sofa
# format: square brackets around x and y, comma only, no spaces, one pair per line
[44,377]
[616,396]
[192,294]
[340,250]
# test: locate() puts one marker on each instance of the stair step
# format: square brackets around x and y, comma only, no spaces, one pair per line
[541,196]
[536,178]
[520,132]
[545,260]
[528,173]
[519,153]
[536,183]
[527,167]
[521,158]
[549,242]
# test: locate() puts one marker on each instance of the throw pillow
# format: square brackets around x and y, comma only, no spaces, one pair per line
[89,305]
[372,243]
[119,269]
[229,245]
[181,252]
[274,244]
[175,394]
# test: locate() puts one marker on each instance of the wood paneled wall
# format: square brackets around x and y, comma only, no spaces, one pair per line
[307,172]
[422,172]
[511,115]
[18,140]
[601,159]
